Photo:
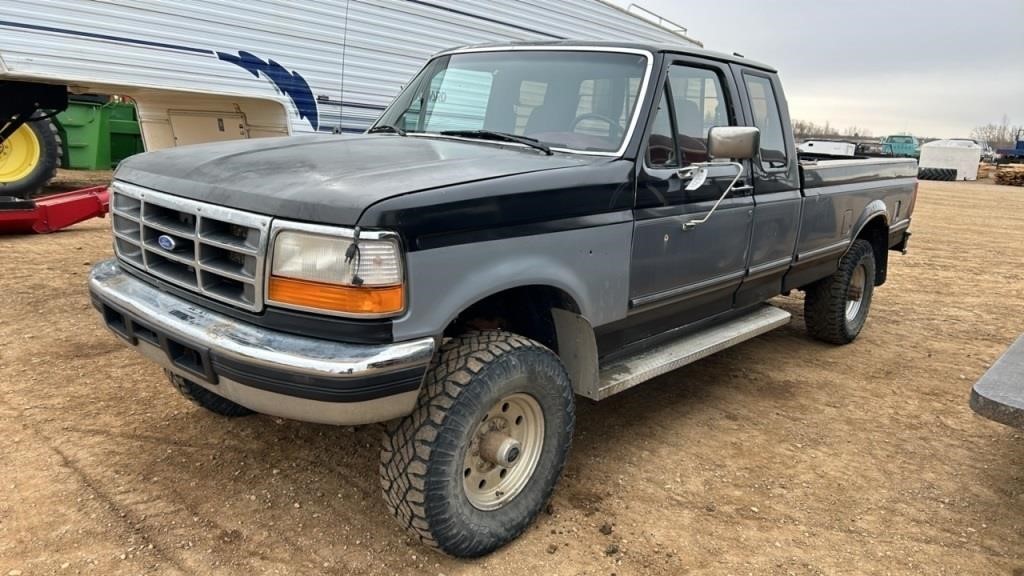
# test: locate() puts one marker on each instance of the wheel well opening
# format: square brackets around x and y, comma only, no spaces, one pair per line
[876,231]
[525,310]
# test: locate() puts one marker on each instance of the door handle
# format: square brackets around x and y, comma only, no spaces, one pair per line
[686,172]
[743,189]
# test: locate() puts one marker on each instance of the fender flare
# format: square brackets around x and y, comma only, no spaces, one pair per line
[574,333]
[874,209]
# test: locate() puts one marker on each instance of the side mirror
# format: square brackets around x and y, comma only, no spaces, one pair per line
[733,142]
[736,142]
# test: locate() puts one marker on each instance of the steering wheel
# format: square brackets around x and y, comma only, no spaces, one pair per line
[613,126]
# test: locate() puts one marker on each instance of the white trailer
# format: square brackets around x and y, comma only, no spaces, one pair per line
[203,70]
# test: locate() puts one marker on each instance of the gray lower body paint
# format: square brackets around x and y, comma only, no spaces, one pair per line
[589,264]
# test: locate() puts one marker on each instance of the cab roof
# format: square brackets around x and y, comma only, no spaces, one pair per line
[649,47]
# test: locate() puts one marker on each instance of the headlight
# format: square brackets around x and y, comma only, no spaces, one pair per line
[321,271]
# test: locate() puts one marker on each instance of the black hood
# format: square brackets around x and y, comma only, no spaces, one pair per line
[327,179]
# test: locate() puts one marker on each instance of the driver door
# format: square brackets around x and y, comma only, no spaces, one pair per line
[679,275]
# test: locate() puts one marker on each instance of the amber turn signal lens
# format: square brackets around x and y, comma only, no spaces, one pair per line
[346,299]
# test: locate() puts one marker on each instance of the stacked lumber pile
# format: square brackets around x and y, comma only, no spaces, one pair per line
[986,170]
[1010,175]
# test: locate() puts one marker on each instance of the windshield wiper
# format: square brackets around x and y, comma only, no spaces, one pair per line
[499,136]
[386,128]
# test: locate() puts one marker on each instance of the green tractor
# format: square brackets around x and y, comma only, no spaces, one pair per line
[80,132]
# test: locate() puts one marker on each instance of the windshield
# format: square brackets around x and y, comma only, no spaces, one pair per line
[573,100]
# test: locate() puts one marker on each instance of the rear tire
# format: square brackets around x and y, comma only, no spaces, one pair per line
[444,477]
[23,180]
[835,308]
[203,398]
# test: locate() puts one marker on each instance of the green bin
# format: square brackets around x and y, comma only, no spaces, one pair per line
[98,134]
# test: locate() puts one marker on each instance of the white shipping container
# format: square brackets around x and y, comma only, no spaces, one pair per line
[960,155]
[282,66]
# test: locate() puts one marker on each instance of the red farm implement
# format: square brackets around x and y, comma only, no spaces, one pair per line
[51,213]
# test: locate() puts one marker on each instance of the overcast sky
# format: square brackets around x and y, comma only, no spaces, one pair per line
[930,67]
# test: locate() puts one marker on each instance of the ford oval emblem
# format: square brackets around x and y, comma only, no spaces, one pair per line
[166,242]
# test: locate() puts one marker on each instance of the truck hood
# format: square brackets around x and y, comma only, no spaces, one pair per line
[323,178]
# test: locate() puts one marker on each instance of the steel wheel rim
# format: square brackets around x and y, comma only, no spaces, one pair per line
[19,154]
[487,485]
[855,294]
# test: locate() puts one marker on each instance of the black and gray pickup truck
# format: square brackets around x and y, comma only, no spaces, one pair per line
[523,225]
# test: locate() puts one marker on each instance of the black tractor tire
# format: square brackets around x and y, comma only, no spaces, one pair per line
[202,397]
[424,459]
[939,174]
[50,153]
[827,311]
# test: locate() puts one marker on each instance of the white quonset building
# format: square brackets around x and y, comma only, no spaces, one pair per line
[960,155]
[203,70]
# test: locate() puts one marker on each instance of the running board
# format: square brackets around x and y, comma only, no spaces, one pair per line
[629,372]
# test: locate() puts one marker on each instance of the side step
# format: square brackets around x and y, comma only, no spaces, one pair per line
[666,357]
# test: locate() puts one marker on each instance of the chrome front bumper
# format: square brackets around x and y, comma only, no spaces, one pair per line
[271,372]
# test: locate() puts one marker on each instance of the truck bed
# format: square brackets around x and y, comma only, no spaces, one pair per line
[818,173]
[839,197]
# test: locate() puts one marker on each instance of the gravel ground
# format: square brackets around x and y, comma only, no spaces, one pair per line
[779,456]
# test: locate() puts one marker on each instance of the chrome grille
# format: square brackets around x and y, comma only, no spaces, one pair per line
[216,251]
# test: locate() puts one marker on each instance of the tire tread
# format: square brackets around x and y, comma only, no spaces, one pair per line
[825,300]
[410,443]
[203,398]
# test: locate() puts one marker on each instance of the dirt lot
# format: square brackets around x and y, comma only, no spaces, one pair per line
[781,456]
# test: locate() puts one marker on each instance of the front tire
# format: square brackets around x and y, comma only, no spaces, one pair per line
[203,398]
[471,467]
[835,308]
